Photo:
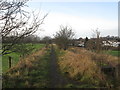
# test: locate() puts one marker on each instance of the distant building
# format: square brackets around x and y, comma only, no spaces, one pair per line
[111,43]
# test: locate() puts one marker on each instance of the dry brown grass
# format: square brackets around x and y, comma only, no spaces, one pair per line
[81,64]
[29,61]
[98,57]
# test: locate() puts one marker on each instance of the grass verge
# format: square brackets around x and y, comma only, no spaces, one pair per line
[85,67]
[114,53]
[31,72]
[16,57]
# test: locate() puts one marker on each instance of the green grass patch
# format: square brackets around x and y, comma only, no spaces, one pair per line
[16,56]
[113,53]
[38,46]
[5,63]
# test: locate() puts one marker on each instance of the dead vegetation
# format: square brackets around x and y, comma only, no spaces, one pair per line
[85,66]
[97,57]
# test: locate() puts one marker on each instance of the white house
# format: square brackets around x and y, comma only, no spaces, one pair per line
[111,43]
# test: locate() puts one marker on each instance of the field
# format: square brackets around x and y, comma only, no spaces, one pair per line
[51,67]
[114,53]
[16,57]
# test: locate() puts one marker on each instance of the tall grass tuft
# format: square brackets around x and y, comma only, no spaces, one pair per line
[82,65]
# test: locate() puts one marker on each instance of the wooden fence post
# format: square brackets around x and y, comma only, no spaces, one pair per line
[10,61]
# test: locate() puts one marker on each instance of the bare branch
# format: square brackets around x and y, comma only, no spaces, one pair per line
[16,23]
[64,36]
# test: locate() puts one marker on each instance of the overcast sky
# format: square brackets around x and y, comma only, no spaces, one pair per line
[83,17]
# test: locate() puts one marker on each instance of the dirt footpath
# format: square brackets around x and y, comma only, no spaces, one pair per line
[57,80]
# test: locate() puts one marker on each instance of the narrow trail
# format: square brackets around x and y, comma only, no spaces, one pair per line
[57,80]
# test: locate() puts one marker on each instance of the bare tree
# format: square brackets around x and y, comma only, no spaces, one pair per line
[95,43]
[64,36]
[98,41]
[16,23]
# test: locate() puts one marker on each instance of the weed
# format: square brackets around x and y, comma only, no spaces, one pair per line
[85,66]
